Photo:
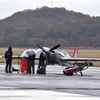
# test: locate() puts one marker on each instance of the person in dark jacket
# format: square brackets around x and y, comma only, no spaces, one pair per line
[31,63]
[42,59]
[8,57]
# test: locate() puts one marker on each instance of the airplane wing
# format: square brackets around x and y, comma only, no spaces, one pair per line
[13,57]
[81,59]
[18,57]
[1,56]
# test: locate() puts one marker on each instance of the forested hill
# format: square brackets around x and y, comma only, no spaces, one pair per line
[48,27]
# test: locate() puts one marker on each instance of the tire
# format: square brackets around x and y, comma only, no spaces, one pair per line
[71,74]
[67,74]
[64,72]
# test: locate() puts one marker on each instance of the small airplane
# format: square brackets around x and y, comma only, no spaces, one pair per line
[70,65]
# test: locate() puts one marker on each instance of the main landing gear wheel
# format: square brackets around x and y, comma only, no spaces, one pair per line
[69,74]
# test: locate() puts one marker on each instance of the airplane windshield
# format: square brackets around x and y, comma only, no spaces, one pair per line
[65,54]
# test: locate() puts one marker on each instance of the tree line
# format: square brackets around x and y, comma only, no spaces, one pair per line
[48,27]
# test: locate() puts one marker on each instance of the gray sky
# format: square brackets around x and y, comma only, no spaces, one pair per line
[89,7]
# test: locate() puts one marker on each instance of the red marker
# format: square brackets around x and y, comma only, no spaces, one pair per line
[36,44]
[59,44]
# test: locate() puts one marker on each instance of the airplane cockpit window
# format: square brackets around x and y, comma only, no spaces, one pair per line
[65,54]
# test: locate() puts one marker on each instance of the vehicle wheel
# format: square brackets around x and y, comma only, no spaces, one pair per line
[71,74]
[64,72]
[67,74]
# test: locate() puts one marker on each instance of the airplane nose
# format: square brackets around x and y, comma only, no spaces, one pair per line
[47,52]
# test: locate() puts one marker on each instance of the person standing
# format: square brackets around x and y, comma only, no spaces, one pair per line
[8,57]
[42,59]
[31,63]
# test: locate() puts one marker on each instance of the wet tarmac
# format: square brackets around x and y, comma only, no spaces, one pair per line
[53,85]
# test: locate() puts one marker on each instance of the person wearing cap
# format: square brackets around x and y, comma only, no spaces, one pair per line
[8,57]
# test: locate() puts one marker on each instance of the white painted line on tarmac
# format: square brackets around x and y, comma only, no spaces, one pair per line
[42,95]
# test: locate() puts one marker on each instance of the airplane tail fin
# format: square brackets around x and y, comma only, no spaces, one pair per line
[75,54]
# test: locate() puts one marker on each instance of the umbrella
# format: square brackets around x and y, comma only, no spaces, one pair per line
[30,52]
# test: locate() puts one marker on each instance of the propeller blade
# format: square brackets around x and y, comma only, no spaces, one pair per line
[40,47]
[55,47]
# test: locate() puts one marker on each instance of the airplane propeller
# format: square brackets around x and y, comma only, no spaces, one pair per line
[40,47]
[53,48]
[47,53]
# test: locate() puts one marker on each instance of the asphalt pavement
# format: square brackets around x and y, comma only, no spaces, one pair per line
[53,85]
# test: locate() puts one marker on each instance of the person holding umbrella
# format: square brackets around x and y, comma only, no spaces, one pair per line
[31,60]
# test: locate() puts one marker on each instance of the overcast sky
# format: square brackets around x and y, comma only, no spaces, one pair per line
[9,7]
